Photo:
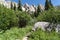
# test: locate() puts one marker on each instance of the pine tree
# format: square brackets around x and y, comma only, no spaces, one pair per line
[37,11]
[11,5]
[19,5]
[50,3]
[47,5]
[14,6]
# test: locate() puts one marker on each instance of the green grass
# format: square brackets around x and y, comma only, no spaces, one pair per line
[18,33]
[15,33]
[41,35]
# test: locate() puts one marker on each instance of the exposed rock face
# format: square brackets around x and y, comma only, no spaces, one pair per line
[41,7]
[31,9]
[7,3]
[26,5]
[23,9]
[28,8]
[2,1]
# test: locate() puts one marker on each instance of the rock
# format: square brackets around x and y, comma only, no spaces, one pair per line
[29,9]
[7,3]
[23,9]
[17,39]
[57,28]
[41,7]
[25,38]
[50,27]
[41,25]
[26,6]
[46,26]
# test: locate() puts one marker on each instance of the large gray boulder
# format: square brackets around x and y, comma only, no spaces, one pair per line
[46,26]
[42,25]
[57,28]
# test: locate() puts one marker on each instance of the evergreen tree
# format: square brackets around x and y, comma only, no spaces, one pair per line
[47,5]
[14,6]
[19,5]
[50,3]
[11,5]
[37,11]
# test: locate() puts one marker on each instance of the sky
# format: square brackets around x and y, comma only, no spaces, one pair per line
[36,2]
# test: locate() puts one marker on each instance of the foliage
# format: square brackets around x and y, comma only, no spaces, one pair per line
[48,5]
[19,5]
[15,33]
[11,5]
[7,18]
[50,16]
[38,10]
[41,35]
[10,18]
[24,18]
[14,6]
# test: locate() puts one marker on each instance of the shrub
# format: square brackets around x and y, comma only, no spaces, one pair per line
[50,16]
[7,18]
[41,35]
[24,19]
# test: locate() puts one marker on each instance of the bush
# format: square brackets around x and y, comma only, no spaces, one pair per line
[15,33]
[24,19]
[7,18]
[50,16]
[41,35]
